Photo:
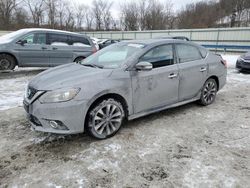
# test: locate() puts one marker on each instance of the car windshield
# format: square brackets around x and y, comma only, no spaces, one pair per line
[13,35]
[113,56]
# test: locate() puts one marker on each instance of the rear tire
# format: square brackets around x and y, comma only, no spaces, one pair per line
[79,59]
[208,92]
[7,62]
[105,119]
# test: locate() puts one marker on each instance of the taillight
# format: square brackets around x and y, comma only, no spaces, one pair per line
[224,62]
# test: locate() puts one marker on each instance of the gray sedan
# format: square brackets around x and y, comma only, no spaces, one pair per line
[122,82]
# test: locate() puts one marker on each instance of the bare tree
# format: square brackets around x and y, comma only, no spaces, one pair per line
[61,9]
[7,8]
[130,16]
[51,7]
[69,19]
[89,18]
[80,13]
[101,11]
[36,8]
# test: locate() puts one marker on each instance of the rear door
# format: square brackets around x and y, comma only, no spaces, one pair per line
[34,52]
[61,51]
[81,46]
[193,70]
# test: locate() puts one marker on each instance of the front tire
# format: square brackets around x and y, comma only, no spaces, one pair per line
[7,62]
[105,119]
[208,92]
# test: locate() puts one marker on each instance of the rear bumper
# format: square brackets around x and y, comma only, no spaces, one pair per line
[69,115]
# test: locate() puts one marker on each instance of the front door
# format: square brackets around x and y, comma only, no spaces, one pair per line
[33,51]
[193,71]
[158,87]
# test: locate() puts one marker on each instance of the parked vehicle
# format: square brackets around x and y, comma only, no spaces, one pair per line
[122,82]
[107,42]
[95,41]
[174,37]
[43,47]
[243,63]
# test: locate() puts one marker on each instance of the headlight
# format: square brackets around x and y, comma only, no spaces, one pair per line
[60,95]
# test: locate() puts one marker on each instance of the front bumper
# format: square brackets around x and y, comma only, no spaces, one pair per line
[70,115]
[242,65]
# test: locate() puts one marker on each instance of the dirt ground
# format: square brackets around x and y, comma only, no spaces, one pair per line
[188,146]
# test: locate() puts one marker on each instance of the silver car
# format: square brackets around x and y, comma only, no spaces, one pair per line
[43,48]
[122,82]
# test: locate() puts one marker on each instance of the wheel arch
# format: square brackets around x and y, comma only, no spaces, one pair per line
[216,79]
[12,55]
[115,96]
[79,57]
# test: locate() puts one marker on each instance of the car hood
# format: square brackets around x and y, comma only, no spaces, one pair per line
[70,75]
[247,56]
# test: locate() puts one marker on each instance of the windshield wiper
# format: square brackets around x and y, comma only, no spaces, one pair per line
[93,65]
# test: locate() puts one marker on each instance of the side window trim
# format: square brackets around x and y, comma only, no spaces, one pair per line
[173,50]
[35,36]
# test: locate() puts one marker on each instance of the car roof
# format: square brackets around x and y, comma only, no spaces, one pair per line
[155,41]
[52,30]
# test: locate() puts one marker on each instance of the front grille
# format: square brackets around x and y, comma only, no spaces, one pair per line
[31,93]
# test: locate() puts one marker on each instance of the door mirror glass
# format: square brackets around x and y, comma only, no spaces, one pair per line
[144,66]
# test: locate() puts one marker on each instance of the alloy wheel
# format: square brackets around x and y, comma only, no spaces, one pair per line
[209,92]
[107,119]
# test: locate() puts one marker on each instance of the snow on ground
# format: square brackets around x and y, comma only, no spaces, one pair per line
[11,92]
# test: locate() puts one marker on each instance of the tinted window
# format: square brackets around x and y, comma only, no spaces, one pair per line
[35,38]
[79,41]
[160,56]
[58,39]
[187,53]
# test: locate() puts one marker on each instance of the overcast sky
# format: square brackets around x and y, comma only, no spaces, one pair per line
[177,4]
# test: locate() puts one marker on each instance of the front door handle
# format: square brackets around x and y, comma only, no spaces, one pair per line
[172,75]
[203,69]
[54,48]
[44,48]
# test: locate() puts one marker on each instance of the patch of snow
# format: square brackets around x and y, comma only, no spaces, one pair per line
[12,92]
[103,164]
[199,175]
[54,185]
[113,147]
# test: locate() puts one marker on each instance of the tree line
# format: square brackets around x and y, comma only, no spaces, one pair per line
[134,15]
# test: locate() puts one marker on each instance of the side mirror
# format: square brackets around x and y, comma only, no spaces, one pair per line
[22,42]
[144,66]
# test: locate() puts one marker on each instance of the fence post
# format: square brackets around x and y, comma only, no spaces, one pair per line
[217,40]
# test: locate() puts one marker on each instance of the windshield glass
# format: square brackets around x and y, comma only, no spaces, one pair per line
[13,35]
[113,56]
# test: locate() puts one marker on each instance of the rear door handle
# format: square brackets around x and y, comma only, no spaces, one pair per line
[54,48]
[172,75]
[203,69]
[44,48]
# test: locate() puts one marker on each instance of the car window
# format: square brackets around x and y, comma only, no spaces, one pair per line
[187,53]
[35,38]
[58,39]
[160,56]
[79,41]
[203,52]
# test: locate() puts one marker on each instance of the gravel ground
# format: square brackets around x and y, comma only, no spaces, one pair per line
[188,146]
